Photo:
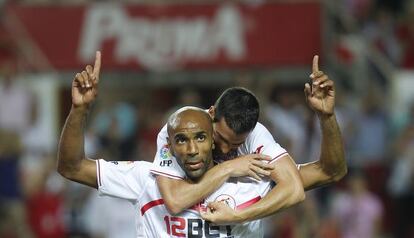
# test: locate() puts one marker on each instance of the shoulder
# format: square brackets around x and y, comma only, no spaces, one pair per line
[260,132]
[259,129]
[125,165]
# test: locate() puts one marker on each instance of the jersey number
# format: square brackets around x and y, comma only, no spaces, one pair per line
[176,226]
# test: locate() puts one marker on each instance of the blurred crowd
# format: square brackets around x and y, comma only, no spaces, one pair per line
[366,41]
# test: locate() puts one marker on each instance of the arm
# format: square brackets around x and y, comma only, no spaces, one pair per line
[331,165]
[288,192]
[191,193]
[72,162]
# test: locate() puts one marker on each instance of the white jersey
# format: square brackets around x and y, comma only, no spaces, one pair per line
[258,141]
[134,181]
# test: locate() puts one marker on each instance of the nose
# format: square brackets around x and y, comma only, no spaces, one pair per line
[192,148]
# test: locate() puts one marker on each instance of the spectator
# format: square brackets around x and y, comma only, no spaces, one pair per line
[358,211]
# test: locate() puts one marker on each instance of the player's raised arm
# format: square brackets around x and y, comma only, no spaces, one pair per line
[331,165]
[72,162]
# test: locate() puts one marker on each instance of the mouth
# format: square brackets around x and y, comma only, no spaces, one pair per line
[194,165]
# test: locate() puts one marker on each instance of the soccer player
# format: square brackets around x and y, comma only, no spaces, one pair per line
[237,132]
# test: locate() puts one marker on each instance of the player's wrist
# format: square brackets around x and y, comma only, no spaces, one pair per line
[84,108]
[240,216]
[227,169]
[326,116]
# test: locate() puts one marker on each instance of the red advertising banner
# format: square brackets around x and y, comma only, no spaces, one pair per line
[164,37]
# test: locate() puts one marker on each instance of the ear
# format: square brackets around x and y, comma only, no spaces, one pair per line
[212,112]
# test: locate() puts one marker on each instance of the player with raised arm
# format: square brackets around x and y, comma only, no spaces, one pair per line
[237,132]
[320,96]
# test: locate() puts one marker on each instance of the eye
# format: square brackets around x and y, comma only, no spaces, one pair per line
[201,138]
[180,140]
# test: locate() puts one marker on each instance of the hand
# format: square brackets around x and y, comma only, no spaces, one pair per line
[321,94]
[85,84]
[220,213]
[253,165]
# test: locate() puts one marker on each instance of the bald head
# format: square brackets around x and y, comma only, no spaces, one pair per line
[189,117]
[190,137]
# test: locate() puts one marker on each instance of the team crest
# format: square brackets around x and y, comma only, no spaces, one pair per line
[229,200]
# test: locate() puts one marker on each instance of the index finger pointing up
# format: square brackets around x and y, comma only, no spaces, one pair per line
[315,64]
[97,65]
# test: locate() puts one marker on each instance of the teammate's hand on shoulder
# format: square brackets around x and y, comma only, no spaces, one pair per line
[85,84]
[253,165]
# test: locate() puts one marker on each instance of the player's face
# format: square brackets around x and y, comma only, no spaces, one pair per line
[225,139]
[191,143]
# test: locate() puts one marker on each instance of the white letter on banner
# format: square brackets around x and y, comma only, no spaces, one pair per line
[102,21]
[228,32]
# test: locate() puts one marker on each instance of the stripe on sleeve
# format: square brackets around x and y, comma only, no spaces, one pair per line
[277,157]
[151,204]
[165,174]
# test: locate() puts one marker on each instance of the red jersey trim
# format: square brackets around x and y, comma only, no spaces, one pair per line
[165,174]
[277,157]
[248,203]
[151,204]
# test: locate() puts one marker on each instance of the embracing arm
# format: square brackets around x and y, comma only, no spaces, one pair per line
[190,193]
[331,165]
[287,192]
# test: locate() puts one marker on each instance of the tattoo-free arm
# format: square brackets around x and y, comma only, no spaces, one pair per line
[72,162]
[181,194]
[287,192]
[331,165]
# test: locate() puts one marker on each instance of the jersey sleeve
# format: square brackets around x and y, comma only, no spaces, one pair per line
[165,164]
[260,141]
[122,179]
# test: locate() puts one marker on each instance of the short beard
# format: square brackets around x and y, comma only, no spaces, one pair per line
[219,157]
